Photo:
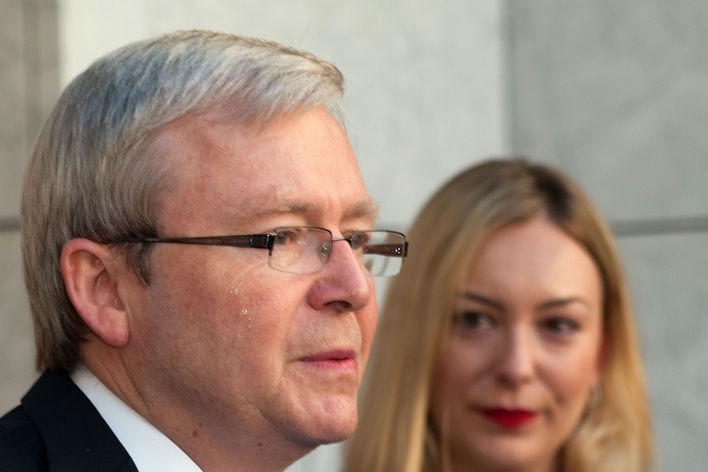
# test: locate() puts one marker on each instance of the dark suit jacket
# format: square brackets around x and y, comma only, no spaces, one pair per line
[56,428]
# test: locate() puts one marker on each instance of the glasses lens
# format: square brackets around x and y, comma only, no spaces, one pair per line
[300,250]
[383,252]
[305,250]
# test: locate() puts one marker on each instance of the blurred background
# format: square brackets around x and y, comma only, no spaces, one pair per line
[613,92]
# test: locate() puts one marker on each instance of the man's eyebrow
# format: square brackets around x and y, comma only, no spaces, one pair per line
[363,209]
[272,207]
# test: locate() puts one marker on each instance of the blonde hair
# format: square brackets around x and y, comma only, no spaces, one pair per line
[94,172]
[393,433]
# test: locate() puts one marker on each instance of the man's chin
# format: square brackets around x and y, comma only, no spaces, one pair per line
[334,427]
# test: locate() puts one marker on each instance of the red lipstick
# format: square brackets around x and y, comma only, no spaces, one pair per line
[509,418]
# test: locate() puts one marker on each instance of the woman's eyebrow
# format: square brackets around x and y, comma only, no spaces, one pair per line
[549,304]
[561,302]
[476,297]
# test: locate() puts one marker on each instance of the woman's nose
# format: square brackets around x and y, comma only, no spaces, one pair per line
[516,365]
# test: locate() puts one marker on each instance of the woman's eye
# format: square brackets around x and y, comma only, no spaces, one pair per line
[561,325]
[471,320]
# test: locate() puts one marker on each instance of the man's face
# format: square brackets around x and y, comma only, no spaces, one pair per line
[232,346]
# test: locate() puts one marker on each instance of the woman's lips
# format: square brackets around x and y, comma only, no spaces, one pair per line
[509,418]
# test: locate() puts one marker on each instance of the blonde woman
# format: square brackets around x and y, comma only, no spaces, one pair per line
[507,341]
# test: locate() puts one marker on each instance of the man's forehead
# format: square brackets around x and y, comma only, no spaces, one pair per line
[251,176]
[264,206]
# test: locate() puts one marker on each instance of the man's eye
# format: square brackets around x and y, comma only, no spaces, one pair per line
[359,240]
[288,236]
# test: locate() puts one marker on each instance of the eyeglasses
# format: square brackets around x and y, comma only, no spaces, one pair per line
[306,249]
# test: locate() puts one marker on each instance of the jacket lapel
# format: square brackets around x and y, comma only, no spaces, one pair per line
[76,437]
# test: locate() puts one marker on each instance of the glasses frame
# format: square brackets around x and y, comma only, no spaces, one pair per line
[267,241]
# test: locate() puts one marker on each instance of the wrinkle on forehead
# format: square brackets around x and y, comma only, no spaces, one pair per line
[275,204]
[301,165]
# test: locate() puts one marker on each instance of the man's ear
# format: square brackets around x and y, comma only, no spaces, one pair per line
[91,275]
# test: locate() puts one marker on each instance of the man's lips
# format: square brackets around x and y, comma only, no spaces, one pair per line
[338,359]
[509,418]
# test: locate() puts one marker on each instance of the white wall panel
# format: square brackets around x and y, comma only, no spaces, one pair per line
[424,78]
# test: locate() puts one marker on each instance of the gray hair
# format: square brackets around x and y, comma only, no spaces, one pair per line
[93,172]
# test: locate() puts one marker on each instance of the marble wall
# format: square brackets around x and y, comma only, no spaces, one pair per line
[29,84]
[616,93]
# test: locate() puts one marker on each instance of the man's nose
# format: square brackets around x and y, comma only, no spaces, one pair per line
[344,281]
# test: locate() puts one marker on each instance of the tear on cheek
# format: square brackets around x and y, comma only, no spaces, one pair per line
[245,316]
[233,291]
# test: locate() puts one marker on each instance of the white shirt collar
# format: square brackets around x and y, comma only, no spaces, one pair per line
[149,448]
